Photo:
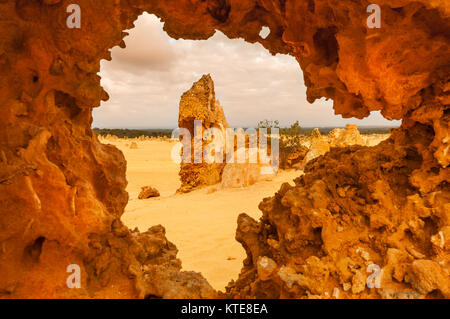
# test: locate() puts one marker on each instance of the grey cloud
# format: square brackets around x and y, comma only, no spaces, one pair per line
[148,49]
[146,80]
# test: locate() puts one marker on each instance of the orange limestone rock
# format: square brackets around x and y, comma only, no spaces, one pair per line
[346,137]
[293,157]
[339,225]
[148,192]
[200,104]
[133,146]
[356,210]
[318,147]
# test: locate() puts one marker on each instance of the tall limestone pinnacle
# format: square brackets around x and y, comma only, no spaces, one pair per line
[199,104]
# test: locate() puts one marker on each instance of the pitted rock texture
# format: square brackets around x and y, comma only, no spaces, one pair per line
[346,214]
[61,190]
[200,104]
[148,192]
[318,147]
[292,157]
[346,137]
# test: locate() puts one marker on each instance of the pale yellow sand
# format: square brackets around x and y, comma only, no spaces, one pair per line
[201,225]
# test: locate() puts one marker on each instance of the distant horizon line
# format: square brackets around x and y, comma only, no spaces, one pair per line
[305,127]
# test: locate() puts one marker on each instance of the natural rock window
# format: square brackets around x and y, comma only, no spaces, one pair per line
[62,192]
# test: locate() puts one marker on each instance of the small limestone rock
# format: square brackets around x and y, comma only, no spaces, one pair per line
[346,286]
[148,192]
[346,137]
[336,293]
[365,255]
[415,253]
[341,192]
[273,243]
[319,146]
[266,267]
[442,238]
[133,146]
[358,282]
[426,276]
[293,157]
[290,277]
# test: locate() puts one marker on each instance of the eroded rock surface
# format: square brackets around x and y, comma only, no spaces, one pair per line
[148,192]
[346,137]
[62,191]
[315,145]
[293,157]
[318,146]
[346,214]
[200,104]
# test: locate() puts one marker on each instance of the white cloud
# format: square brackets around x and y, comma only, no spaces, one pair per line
[146,80]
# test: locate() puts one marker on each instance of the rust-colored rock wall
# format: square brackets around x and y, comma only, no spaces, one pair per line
[62,191]
[354,208]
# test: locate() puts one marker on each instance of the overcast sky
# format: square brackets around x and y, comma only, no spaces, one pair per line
[146,80]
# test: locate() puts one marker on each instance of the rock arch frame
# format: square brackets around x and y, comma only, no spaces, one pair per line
[62,192]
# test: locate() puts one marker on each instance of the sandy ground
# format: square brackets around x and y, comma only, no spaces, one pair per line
[201,224]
